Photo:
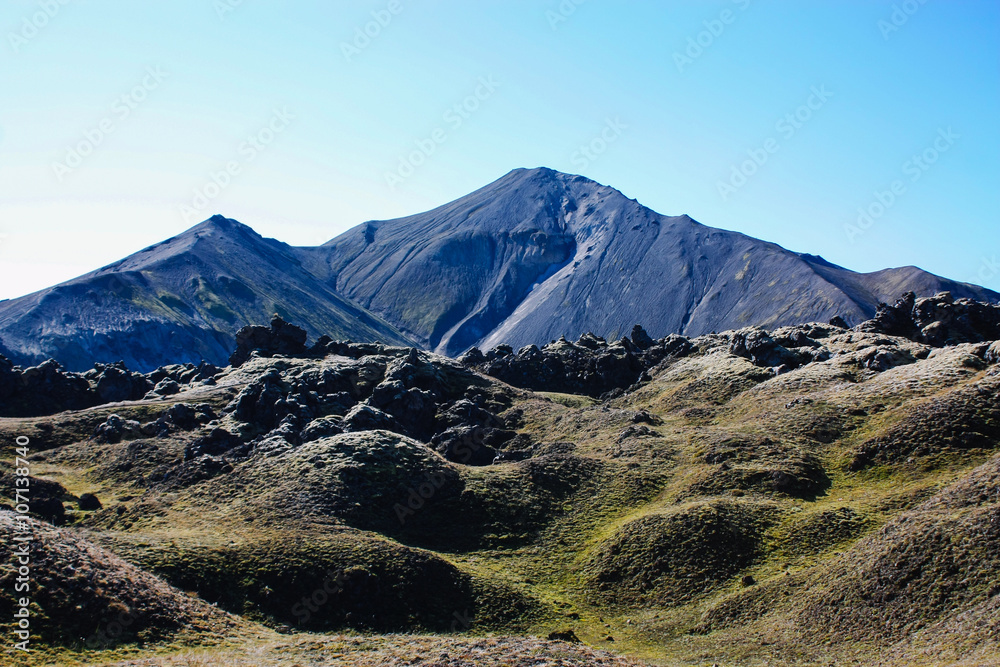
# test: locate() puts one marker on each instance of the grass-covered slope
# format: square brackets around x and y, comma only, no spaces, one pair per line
[838,509]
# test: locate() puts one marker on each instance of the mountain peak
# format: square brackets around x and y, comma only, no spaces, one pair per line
[220,223]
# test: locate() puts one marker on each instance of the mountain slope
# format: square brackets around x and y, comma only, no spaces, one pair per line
[538,254]
[178,301]
[533,256]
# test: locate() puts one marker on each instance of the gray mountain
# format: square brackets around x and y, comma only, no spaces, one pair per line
[533,256]
[539,254]
[178,301]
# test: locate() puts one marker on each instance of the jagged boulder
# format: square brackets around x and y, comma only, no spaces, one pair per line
[280,338]
[755,344]
[114,382]
[641,339]
[993,353]
[115,429]
[184,373]
[218,441]
[589,366]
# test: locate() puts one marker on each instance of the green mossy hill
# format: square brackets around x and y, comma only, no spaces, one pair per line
[84,595]
[673,557]
[327,580]
[713,511]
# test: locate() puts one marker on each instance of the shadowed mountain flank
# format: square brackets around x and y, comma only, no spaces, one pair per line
[178,301]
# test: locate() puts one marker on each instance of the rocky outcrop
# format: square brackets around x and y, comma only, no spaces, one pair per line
[371,387]
[590,366]
[43,389]
[280,338]
[938,320]
[114,383]
[48,388]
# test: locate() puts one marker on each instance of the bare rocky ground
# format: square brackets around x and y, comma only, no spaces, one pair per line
[814,495]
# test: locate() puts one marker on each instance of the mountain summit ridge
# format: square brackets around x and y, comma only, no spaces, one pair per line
[535,255]
[528,258]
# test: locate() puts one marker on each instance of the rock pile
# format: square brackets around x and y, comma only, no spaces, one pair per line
[589,366]
[280,338]
[939,320]
[370,387]
[48,388]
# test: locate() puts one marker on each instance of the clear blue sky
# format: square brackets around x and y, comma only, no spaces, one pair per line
[181,85]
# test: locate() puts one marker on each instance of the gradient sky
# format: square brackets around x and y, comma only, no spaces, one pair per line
[182,86]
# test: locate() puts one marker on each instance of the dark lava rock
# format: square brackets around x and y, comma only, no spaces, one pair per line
[42,390]
[938,320]
[88,501]
[262,402]
[49,508]
[45,497]
[322,428]
[281,338]
[367,418]
[183,415]
[757,345]
[589,366]
[115,429]
[166,387]
[641,339]
[466,445]
[114,383]
[219,441]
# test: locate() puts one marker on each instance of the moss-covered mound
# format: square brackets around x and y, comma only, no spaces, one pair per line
[339,580]
[82,594]
[967,417]
[938,559]
[814,532]
[673,557]
[762,465]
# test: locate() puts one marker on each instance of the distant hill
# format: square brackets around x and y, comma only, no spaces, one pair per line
[180,300]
